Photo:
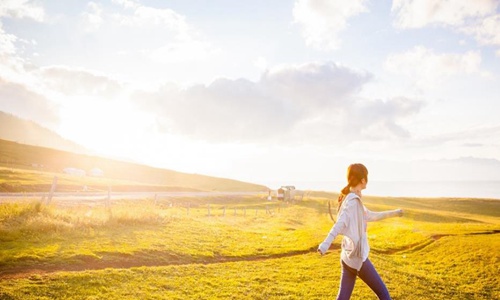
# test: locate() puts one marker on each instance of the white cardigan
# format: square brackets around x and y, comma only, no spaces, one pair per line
[348,225]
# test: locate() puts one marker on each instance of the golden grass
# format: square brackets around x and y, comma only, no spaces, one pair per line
[146,251]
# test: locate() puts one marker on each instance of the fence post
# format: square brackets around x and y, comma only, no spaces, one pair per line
[156,199]
[108,202]
[52,189]
[108,199]
[224,212]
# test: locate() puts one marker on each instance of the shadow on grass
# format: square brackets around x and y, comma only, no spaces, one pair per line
[147,258]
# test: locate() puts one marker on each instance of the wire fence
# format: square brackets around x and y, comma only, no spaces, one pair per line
[210,204]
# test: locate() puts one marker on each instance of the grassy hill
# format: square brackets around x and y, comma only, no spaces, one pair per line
[31,168]
[27,132]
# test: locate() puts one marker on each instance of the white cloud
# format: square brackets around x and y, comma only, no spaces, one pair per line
[150,17]
[180,51]
[421,13]
[478,18]
[21,9]
[323,20]
[315,86]
[260,63]
[291,104]
[379,118]
[16,9]
[127,3]
[486,31]
[92,17]
[160,35]
[7,42]
[428,69]
[17,93]
[78,82]
[136,16]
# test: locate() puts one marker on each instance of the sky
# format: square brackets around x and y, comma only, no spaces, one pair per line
[264,91]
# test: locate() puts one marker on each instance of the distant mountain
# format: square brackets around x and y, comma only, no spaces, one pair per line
[23,131]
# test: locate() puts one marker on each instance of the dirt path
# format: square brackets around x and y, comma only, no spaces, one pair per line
[131,261]
[168,259]
[433,238]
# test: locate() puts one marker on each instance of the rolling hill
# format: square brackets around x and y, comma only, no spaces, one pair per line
[31,168]
[28,132]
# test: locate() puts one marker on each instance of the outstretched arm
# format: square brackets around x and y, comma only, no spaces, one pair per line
[325,245]
[380,215]
[339,226]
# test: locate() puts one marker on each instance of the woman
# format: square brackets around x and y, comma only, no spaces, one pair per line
[352,217]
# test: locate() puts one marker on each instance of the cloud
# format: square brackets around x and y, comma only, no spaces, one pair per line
[93,18]
[421,13]
[7,43]
[21,9]
[314,86]
[12,65]
[176,40]
[78,82]
[16,9]
[428,69]
[323,20]
[150,17]
[17,94]
[315,102]
[479,18]
[379,118]
[486,31]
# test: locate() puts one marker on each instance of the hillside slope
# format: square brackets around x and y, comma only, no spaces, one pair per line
[27,132]
[20,156]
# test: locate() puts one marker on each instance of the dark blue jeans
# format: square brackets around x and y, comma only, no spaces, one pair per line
[368,274]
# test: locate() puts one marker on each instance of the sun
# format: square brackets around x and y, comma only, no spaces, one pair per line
[108,127]
[115,129]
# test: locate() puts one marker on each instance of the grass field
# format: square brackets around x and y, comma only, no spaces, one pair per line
[247,248]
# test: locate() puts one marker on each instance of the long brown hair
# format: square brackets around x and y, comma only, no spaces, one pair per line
[355,173]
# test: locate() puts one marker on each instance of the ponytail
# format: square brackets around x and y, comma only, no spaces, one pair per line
[355,173]
[342,195]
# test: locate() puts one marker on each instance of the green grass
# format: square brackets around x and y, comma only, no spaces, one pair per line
[139,250]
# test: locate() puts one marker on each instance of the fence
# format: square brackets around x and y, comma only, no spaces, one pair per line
[199,204]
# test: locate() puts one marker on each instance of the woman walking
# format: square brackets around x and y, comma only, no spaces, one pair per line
[352,218]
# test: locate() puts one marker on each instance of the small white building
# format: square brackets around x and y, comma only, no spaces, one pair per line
[96,172]
[75,172]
